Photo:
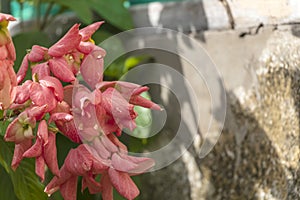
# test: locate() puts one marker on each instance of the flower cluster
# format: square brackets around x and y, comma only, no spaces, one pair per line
[92,116]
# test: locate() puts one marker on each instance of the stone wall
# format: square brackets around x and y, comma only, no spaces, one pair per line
[257,155]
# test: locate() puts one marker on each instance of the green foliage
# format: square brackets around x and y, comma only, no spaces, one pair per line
[24,41]
[3,126]
[113,11]
[81,7]
[5,182]
[123,64]
[134,61]
[25,183]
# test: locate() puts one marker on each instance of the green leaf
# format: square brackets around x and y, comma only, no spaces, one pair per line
[25,182]
[6,187]
[115,70]
[80,7]
[134,61]
[26,40]
[3,126]
[113,11]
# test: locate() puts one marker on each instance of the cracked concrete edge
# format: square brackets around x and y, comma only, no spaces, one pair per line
[183,16]
[200,15]
[253,13]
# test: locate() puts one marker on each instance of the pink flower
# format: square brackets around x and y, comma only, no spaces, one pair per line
[20,131]
[63,59]
[47,92]
[93,116]
[79,162]
[7,48]
[119,109]
[7,83]
[44,150]
[53,59]
[64,121]
[92,67]
[21,128]
[88,31]
[88,162]
[131,92]
[7,57]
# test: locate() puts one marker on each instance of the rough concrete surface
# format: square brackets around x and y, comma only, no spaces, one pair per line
[257,155]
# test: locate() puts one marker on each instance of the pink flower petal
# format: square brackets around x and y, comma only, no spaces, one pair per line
[117,142]
[11,73]
[119,108]
[6,86]
[37,53]
[43,132]
[143,164]
[15,132]
[92,67]
[3,52]
[88,134]
[37,112]
[66,44]
[18,153]
[22,92]
[86,47]
[123,184]
[79,161]
[62,117]
[62,107]
[23,69]
[69,189]
[54,184]
[59,67]
[41,96]
[68,94]
[141,101]
[109,145]
[69,130]
[121,164]
[50,154]
[35,150]
[100,165]
[41,70]
[88,31]
[90,183]
[101,150]
[40,167]
[11,51]
[130,92]
[6,17]
[127,89]
[55,85]
[107,189]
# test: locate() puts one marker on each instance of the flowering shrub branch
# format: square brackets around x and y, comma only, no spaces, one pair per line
[92,118]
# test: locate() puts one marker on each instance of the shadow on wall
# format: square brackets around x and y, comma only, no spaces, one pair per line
[173,181]
[248,168]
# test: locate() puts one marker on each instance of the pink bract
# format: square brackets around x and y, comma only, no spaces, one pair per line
[91,116]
